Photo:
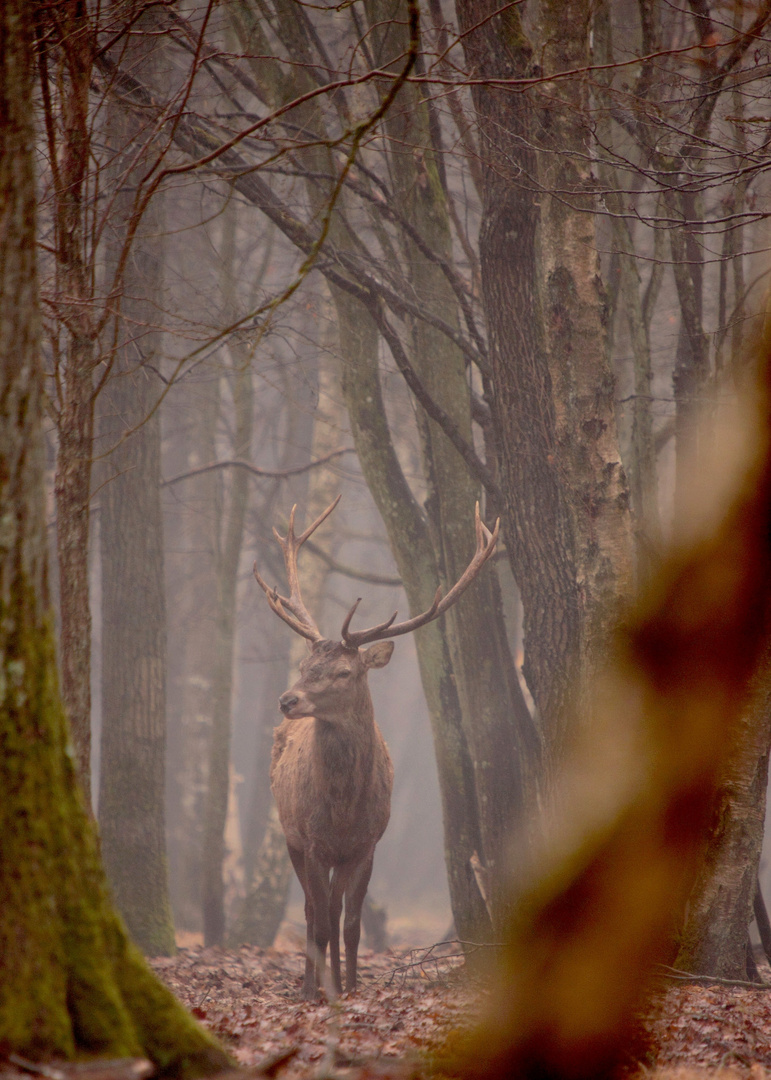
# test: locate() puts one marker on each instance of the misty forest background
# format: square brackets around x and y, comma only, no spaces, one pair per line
[417,254]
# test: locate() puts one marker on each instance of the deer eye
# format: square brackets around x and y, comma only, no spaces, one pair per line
[343,675]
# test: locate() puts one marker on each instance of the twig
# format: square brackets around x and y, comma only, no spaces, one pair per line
[255,470]
[689,976]
[271,1064]
[39,1070]
[422,958]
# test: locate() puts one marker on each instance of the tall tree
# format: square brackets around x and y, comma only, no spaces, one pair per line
[70,980]
[66,48]
[231,512]
[133,736]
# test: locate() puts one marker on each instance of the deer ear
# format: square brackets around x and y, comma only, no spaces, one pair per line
[377,655]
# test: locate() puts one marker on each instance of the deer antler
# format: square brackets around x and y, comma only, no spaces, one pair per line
[486,542]
[292,609]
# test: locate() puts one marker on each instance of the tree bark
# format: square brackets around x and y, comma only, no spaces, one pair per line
[133,742]
[230,532]
[583,381]
[192,604]
[73,33]
[714,938]
[537,515]
[70,981]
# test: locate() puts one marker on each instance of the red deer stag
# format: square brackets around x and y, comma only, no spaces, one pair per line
[331,773]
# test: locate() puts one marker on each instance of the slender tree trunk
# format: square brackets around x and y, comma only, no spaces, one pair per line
[72,492]
[416,563]
[228,560]
[70,981]
[192,603]
[132,773]
[74,39]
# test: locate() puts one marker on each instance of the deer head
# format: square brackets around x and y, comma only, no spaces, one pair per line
[333,681]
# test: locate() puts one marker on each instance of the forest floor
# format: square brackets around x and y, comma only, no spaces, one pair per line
[409,1000]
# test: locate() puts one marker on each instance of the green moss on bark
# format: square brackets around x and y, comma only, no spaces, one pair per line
[71,982]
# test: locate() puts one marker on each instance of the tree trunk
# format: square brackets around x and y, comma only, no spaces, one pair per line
[536,513]
[720,908]
[70,981]
[133,744]
[554,420]
[416,563]
[72,493]
[267,890]
[192,606]
[230,537]
[71,39]
[583,382]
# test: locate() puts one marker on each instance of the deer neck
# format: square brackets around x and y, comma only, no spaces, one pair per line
[344,748]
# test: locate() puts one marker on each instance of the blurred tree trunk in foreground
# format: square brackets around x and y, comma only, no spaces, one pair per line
[70,981]
[673,723]
[133,743]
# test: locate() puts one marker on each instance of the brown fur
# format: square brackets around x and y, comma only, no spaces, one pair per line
[331,776]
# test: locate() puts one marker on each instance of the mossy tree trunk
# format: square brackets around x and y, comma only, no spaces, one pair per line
[133,741]
[70,981]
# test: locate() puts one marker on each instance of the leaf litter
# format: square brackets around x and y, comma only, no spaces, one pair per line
[407,1001]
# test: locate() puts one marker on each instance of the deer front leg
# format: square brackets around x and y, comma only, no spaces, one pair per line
[309,981]
[317,899]
[354,899]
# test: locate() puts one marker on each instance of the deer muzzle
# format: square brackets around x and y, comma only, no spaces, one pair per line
[287,702]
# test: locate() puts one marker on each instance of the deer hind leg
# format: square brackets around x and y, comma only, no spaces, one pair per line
[340,878]
[317,907]
[354,898]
